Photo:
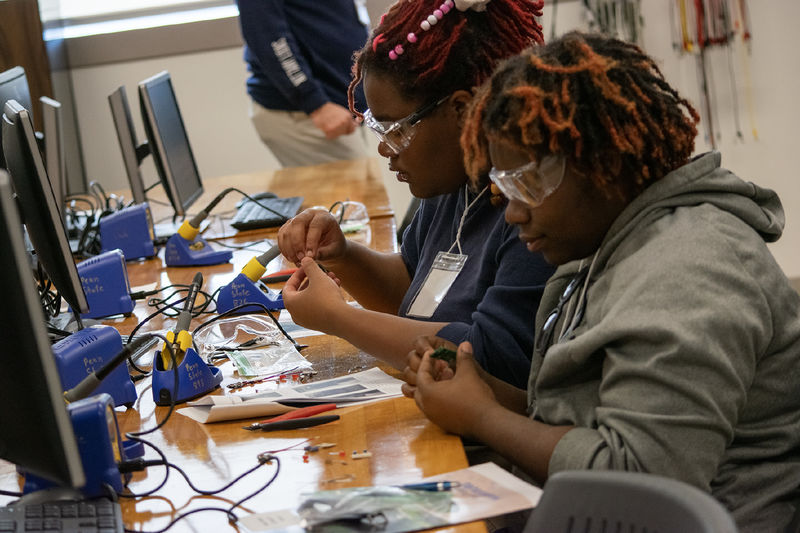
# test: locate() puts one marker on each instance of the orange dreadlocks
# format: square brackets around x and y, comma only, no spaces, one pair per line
[459,52]
[600,101]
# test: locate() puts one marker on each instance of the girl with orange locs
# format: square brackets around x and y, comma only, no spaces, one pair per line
[668,339]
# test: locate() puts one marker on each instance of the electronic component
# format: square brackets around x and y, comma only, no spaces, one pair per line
[445,354]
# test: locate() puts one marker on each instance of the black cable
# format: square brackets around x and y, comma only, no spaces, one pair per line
[341,215]
[57,331]
[164,461]
[136,328]
[96,190]
[49,297]
[229,511]
[284,218]
[240,247]
[217,491]
[150,317]
[10,493]
[198,309]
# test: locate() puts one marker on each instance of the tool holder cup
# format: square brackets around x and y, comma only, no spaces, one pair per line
[195,378]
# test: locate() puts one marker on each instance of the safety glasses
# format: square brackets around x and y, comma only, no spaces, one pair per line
[398,135]
[532,182]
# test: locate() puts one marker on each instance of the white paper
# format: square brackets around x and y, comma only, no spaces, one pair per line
[220,408]
[369,385]
[485,490]
[360,387]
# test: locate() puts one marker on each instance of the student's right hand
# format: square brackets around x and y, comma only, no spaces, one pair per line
[422,345]
[312,296]
[314,233]
[457,405]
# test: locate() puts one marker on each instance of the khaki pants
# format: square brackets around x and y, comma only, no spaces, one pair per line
[294,140]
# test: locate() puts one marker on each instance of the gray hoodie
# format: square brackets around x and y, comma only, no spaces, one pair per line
[681,351]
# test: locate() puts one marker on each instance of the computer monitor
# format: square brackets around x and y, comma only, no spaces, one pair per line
[13,86]
[38,206]
[54,157]
[132,152]
[168,142]
[36,433]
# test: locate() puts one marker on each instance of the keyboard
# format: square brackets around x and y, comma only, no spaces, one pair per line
[85,516]
[252,216]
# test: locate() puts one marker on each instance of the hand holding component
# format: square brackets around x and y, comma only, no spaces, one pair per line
[443,401]
[312,297]
[313,233]
[441,369]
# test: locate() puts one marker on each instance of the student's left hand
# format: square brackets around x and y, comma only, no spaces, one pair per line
[458,404]
[311,296]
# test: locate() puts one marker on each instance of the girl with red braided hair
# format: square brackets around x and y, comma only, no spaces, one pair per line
[462,273]
[668,340]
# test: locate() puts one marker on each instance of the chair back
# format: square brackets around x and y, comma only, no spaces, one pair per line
[589,501]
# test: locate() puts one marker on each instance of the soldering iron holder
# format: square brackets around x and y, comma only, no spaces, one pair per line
[130,230]
[242,290]
[188,248]
[87,351]
[195,378]
[104,279]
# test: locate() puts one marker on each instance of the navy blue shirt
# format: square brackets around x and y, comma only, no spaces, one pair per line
[300,52]
[493,301]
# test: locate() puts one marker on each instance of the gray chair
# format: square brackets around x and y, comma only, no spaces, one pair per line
[589,501]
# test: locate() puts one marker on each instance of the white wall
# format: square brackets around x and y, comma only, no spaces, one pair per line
[210,88]
[211,94]
[774,79]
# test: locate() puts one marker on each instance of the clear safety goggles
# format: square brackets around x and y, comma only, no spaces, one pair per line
[532,182]
[398,135]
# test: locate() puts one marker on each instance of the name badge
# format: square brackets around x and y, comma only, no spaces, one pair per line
[440,278]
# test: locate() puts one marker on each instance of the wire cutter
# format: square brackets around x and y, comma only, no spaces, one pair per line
[304,412]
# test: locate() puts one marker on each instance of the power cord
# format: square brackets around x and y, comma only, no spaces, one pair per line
[141,464]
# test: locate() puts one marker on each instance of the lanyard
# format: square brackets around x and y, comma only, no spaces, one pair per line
[467,206]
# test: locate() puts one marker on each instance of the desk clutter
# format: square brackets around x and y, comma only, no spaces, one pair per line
[150,354]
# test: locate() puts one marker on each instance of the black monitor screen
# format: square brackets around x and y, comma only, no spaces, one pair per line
[13,86]
[38,205]
[35,430]
[126,135]
[168,142]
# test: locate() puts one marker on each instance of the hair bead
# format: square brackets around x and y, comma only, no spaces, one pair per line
[411,38]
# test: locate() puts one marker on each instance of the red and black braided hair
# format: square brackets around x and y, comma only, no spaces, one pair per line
[601,102]
[459,52]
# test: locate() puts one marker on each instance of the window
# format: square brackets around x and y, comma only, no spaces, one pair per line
[79,12]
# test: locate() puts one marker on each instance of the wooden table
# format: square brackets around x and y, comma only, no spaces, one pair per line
[405,446]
